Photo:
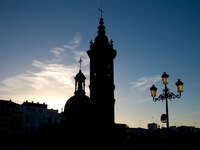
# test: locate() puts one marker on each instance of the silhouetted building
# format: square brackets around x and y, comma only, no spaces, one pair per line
[102,54]
[187,128]
[53,117]
[78,108]
[10,118]
[36,115]
[136,130]
[33,116]
[152,126]
[94,117]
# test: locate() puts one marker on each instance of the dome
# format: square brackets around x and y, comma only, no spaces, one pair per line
[78,106]
[77,103]
[80,76]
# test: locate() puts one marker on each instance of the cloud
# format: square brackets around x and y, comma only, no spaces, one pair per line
[144,83]
[57,51]
[74,43]
[140,88]
[83,56]
[50,76]
[53,82]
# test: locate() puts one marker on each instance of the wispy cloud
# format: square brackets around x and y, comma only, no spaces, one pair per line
[74,43]
[140,87]
[144,83]
[83,56]
[53,81]
[57,51]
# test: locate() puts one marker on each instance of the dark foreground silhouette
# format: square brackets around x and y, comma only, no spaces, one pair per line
[60,137]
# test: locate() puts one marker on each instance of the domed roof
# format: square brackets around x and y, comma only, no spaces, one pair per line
[80,76]
[78,102]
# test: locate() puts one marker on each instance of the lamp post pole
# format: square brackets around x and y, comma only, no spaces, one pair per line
[166,100]
[166,95]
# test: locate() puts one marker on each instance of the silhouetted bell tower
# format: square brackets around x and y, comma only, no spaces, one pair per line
[80,81]
[102,54]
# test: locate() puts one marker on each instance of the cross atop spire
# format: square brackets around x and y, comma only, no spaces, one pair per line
[101,27]
[101,11]
[80,62]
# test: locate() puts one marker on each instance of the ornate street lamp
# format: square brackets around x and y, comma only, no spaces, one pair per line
[153,90]
[179,86]
[166,94]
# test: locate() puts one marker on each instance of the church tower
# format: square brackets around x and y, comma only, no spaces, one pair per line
[102,54]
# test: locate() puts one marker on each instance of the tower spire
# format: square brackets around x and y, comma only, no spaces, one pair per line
[101,27]
[101,38]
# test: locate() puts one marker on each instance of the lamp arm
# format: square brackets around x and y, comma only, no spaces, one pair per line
[159,98]
[170,96]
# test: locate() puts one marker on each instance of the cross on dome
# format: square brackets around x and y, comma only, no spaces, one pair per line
[80,62]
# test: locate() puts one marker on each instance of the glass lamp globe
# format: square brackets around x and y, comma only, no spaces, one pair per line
[165,78]
[153,90]
[179,86]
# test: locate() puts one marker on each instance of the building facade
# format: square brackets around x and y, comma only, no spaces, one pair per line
[36,115]
[10,118]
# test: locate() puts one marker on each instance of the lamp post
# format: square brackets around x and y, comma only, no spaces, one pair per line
[166,95]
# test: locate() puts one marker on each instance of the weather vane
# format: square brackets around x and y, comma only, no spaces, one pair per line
[101,11]
[80,62]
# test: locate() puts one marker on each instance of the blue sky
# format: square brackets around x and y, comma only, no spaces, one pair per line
[41,42]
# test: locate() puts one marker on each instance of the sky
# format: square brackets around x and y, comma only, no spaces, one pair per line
[42,41]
